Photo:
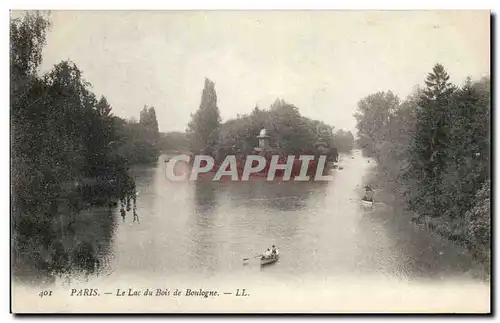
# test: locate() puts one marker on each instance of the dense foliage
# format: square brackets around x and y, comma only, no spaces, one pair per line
[435,146]
[289,131]
[343,141]
[139,142]
[174,141]
[68,153]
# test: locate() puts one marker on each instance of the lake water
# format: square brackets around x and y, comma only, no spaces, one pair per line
[199,233]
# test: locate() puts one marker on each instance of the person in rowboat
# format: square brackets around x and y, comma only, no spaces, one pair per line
[267,254]
[274,251]
[368,194]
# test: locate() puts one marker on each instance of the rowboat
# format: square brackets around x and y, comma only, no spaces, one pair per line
[269,260]
[367,203]
[333,165]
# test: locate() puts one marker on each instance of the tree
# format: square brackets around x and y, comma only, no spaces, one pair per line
[61,157]
[372,116]
[432,120]
[153,122]
[291,132]
[149,121]
[344,141]
[204,128]
[478,223]
[103,108]
[467,151]
[429,142]
[139,141]
[434,149]
[174,141]
[27,38]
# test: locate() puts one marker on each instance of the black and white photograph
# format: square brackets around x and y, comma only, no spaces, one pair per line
[253,161]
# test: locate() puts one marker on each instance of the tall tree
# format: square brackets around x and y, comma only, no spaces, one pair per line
[27,93]
[430,140]
[153,122]
[204,128]
[144,115]
[27,38]
[372,116]
[150,123]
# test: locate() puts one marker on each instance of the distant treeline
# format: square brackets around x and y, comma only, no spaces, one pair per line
[139,142]
[174,141]
[435,147]
[289,131]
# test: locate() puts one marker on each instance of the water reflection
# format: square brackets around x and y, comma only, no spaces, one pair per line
[206,228]
[80,245]
[232,219]
[280,196]
[418,253]
[205,197]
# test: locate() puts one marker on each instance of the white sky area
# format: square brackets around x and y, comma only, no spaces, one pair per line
[323,62]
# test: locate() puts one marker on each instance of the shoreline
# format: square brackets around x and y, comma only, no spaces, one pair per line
[385,192]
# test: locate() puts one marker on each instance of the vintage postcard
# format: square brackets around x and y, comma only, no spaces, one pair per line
[250,161]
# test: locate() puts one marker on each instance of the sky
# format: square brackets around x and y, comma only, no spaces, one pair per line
[323,62]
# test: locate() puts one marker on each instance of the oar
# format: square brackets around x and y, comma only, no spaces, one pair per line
[244,259]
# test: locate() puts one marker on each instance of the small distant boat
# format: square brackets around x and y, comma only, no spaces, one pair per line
[270,259]
[367,202]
